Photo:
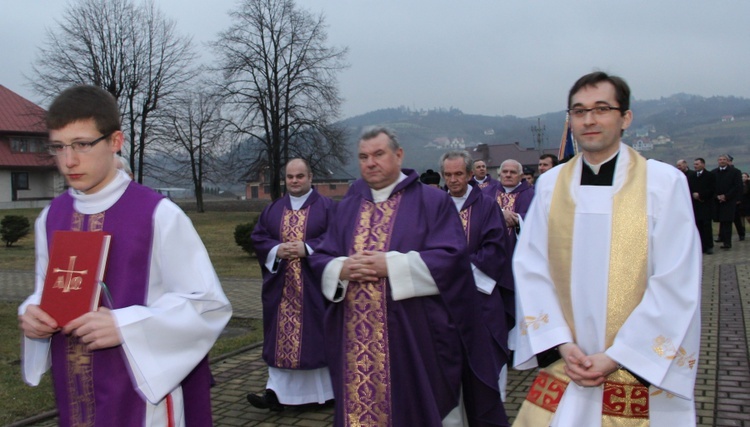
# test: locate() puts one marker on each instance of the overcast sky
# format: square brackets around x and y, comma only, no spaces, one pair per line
[492,57]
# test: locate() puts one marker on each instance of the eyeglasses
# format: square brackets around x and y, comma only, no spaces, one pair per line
[598,111]
[57,149]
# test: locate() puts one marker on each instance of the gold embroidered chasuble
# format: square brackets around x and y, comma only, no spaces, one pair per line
[506,200]
[625,400]
[367,366]
[289,329]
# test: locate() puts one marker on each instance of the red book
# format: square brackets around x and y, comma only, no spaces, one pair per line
[76,267]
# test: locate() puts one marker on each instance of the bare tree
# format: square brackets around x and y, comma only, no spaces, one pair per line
[161,66]
[131,51]
[192,138]
[88,47]
[279,79]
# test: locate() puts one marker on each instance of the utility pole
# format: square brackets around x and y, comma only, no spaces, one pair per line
[539,135]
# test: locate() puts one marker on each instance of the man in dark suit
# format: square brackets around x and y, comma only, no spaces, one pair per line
[739,223]
[728,191]
[702,184]
[682,165]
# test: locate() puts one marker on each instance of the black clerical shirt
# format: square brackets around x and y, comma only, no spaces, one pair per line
[605,176]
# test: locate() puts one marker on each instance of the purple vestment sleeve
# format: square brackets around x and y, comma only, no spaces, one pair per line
[523,200]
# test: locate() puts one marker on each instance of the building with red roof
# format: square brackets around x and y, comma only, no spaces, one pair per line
[28,174]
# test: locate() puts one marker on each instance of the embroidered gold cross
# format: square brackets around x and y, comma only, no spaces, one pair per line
[70,282]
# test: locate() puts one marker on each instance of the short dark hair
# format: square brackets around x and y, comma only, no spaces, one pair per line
[622,90]
[554,159]
[700,159]
[82,103]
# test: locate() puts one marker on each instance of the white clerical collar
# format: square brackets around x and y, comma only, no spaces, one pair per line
[382,194]
[481,181]
[721,169]
[459,201]
[509,189]
[103,199]
[297,202]
[595,168]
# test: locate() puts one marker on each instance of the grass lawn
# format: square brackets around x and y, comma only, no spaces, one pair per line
[215,228]
[19,401]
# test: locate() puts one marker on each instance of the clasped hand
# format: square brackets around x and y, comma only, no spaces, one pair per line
[586,370]
[366,266]
[291,250]
[511,218]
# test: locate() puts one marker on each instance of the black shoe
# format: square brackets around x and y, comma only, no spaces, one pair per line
[709,251]
[726,246]
[742,238]
[267,401]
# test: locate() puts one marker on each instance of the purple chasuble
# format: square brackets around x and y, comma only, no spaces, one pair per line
[488,182]
[398,363]
[95,388]
[293,306]
[517,201]
[485,229]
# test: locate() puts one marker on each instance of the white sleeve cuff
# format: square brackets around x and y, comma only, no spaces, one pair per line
[330,282]
[271,259]
[409,276]
[484,283]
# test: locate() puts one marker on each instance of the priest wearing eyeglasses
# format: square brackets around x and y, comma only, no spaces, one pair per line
[608,271]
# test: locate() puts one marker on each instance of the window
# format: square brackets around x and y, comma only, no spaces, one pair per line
[19,145]
[20,180]
[27,145]
[332,186]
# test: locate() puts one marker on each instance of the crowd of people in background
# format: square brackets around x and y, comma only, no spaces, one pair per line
[720,195]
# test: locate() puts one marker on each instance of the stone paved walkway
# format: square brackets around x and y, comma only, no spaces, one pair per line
[722,389]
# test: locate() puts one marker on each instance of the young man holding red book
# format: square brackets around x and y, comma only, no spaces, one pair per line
[141,358]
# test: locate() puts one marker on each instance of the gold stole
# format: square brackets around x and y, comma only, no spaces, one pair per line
[625,399]
[289,326]
[367,365]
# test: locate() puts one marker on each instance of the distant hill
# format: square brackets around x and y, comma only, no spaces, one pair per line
[680,126]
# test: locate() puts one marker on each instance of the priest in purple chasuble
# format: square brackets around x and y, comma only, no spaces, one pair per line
[513,195]
[481,177]
[484,227]
[395,265]
[141,358]
[287,231]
